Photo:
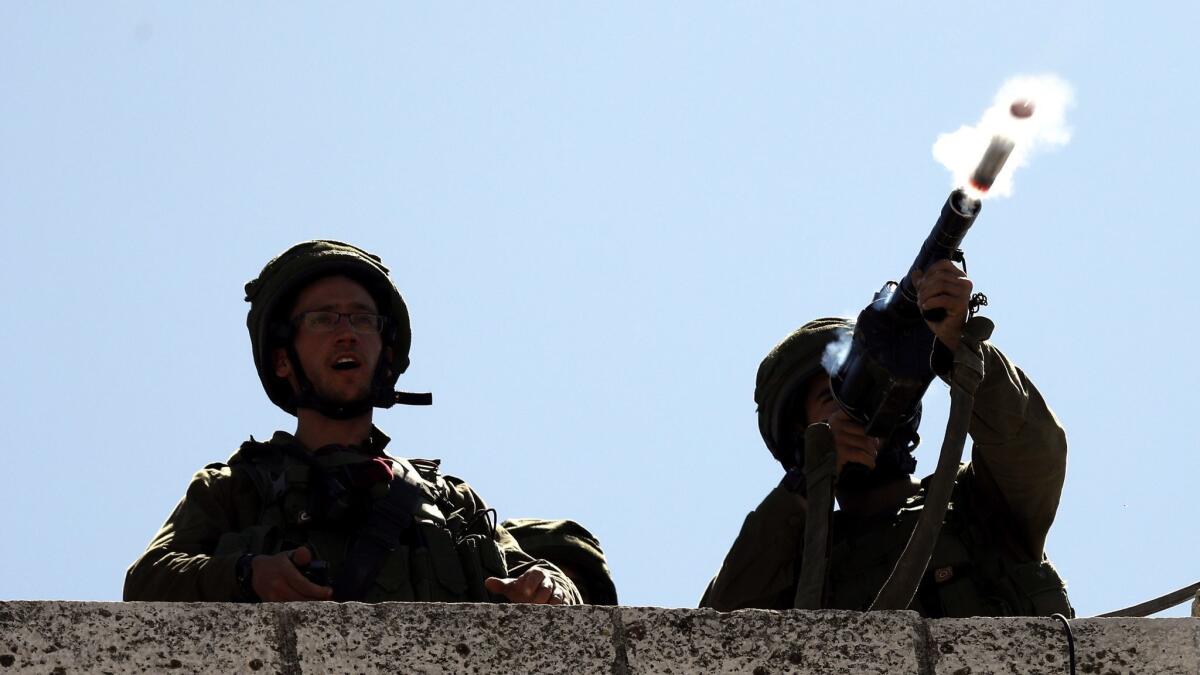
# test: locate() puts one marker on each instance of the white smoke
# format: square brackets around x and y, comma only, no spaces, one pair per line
[961,150]
[836,352]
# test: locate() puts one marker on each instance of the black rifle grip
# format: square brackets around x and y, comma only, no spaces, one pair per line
[854,473]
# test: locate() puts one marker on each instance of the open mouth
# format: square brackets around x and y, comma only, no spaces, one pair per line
[346,363]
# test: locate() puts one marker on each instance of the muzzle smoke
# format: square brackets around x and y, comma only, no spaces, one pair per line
[1030,111]
[836,351]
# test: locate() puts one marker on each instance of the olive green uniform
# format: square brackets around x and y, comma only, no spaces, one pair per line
[989,558]
[575,551]
[262,502]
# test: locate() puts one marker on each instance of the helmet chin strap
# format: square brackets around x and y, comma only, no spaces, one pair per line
[380,396]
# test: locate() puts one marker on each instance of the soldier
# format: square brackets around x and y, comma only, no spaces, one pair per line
[573,550]
[324,514]
[989,558]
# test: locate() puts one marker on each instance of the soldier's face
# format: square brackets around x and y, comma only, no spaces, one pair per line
[339,363]
[819,403]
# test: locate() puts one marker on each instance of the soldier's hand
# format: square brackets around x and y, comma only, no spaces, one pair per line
[534,587]
[277,578]
[944,286]
[852,442]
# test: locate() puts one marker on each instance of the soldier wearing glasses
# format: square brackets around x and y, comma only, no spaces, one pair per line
[324,513]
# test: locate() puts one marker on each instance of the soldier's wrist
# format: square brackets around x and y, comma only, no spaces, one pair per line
[243,574]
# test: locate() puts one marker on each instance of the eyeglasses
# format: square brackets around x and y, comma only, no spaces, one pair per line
[326,322]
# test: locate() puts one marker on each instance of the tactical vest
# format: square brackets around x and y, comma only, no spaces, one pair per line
[968,575]
[442,555]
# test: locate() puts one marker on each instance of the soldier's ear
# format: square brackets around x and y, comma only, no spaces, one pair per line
[283,366]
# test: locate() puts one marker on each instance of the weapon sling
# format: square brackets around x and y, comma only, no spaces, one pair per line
[898,590]
[820,457]
[1158,604]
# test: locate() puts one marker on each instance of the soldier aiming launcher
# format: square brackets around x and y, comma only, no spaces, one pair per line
[882,379]
[880,384]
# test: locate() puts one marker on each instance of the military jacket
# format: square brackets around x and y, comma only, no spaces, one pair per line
[989,558]
[276,496]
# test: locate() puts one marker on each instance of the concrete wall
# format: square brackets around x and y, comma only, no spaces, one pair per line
[62,637]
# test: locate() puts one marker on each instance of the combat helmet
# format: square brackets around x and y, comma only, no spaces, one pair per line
[781,379]
[275,288]
[779,389]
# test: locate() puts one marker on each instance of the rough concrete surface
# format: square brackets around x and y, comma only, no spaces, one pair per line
[135,637]
[1137,645]
[991,645]
[66,637]
[430,638]
[761,641]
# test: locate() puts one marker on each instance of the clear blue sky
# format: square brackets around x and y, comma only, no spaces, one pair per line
[602,216]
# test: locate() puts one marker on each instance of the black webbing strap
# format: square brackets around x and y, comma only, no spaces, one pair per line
[820,462]
[390,517]
[412,398]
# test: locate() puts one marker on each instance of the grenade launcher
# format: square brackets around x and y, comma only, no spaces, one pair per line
[881,381]
[886,372]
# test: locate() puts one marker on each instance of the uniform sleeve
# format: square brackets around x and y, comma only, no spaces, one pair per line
[517,560]
[761,567]
[178,566]
[1019,456]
